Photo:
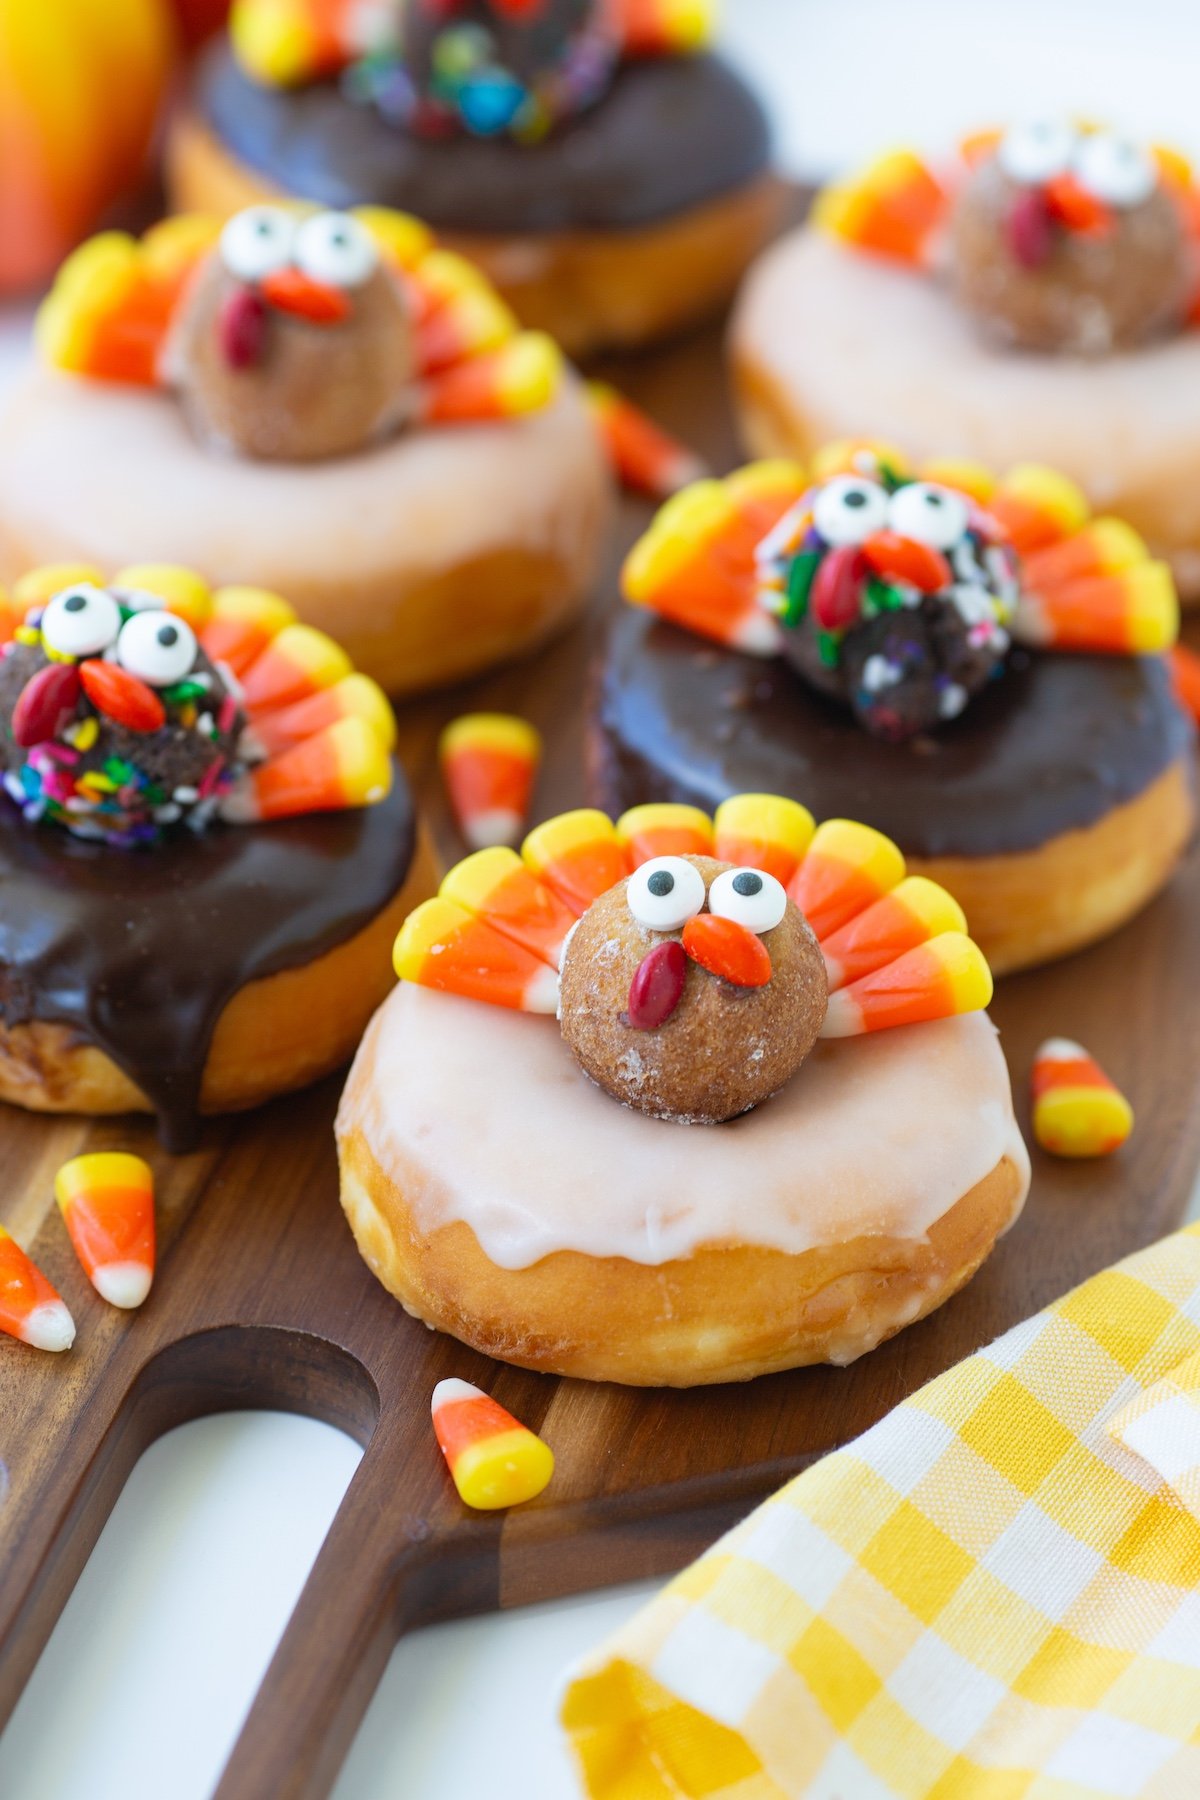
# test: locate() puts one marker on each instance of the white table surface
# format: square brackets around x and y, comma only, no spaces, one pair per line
[146,1678]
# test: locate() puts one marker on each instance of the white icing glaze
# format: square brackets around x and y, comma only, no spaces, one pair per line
[863,347]
[487,1118]
[96,472]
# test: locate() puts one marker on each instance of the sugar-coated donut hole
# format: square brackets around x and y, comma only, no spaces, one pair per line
[723,1049]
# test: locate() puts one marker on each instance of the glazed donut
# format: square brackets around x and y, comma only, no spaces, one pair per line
[1049,789]
[1079,356]
[630,221]
[479,495]
[609,1235]
[201,869]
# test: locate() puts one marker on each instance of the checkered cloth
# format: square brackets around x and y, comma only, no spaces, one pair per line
[992,1595]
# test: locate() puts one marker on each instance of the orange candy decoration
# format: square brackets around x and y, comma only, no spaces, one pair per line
[121,696]
[727,949]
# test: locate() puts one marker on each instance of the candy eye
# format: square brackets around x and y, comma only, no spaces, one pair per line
[664,894]
[848,509]
[81,621]
[157,647]
[336,249]
[750,897]
[1115,170]
[929,514]
[1038,151]
[257,242]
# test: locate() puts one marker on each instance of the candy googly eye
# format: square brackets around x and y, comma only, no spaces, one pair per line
[928,514]
[257,242]
[1038,151]
[749,897]
[1114,170]
[158,647]
[81,621]
[848,509]
[665,893]
[334,248]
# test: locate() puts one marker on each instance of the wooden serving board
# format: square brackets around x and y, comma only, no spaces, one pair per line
[261,1301]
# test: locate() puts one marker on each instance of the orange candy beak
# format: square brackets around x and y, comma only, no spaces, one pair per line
[290,291]
[727,949]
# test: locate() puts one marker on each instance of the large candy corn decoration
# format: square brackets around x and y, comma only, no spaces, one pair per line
[495,1461]
[1077,1111]
[489,765]
[646,459]
[895,947]
[30,1309]
[107,1203]
[316,736]
[117,299]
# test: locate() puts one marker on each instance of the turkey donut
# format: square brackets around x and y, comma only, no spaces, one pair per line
[323,404]
[769,1126]
[975,667]
[1034,299]
[205,847]
[612,178]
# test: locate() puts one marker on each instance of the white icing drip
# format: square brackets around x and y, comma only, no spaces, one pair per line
[486,1117]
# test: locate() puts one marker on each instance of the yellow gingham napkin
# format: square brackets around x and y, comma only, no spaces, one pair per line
[994,1594]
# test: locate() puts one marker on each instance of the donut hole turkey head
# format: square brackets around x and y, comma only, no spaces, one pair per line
[1071,239]
[692,990]
[295,342]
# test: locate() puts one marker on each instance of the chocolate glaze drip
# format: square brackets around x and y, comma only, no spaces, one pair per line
[140,951]
[1051,746]
[668,135]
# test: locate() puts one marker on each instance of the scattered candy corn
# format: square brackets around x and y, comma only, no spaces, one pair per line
[298,661]
[579,855]
[912,913]
[496,886]
[442,945]
[847,868]
[107,1203]
[1077,1111]
[489,765]
[242,624]
[664,829]
[495,1461]
[727,949]
[763,831]
[521,376]
[30,1309]
[347,764]
[645,457]
[945,976]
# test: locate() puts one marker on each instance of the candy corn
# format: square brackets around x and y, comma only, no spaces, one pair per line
[298,661]
[948,975]
[763,831]
[459,313]
[243,622]
[344,765]
[442,945]
[182,591]
[893,207]
[1077,1111]
[1037,506]
[847,868]
[353,697]
[521,376]
[912,913]
[107,1203]
[1133,612]
[30,1309]
[697,565]
[664,830]
[497,887]
[285,43]
[489,765]
[664,27]
[494,1460]
[1103,547]
[37,586]
[579,855]
[644,457]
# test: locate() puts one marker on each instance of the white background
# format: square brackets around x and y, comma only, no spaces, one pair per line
[141,1690]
